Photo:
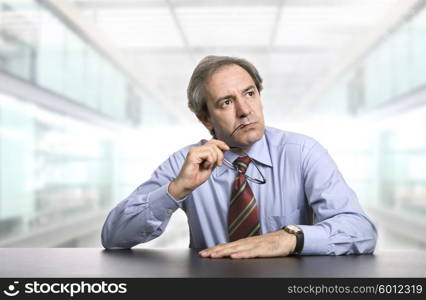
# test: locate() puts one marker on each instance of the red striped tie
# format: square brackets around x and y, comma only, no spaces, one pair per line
[243,218]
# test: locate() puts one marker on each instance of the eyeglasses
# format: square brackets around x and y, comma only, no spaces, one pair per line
[255,180]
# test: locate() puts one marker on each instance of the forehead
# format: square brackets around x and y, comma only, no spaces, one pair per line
[228,79]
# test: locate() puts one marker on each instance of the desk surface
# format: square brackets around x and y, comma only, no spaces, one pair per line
[96,262]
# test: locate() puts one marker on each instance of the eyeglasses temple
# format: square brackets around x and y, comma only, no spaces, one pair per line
[229,164]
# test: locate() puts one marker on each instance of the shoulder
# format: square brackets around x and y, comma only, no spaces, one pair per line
[182,152]
[278,138]
[294,147]
[175,160]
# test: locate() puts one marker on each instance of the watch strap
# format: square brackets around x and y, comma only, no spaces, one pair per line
[299,239]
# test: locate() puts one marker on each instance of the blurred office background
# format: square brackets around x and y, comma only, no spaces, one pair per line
[93,98]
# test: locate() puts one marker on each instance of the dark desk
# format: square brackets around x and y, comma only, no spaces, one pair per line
[96,262]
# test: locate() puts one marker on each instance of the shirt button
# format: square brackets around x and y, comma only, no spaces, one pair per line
[170,211]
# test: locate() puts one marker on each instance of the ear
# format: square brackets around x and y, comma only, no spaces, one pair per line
[205,119]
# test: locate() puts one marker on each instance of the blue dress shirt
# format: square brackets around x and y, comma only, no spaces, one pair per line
[303,187]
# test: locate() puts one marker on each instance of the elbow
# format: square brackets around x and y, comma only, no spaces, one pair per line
[354,246]
[111,244]
[109,241]
[366,244]
[358,241]
[366,239]
[373,240]
[106,240]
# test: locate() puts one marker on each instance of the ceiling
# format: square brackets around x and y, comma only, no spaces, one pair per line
[294,43]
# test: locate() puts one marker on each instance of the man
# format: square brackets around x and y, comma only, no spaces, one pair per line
[250,191]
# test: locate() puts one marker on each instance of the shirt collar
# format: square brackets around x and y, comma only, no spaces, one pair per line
[259,152]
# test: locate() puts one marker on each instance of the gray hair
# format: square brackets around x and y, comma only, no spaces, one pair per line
[196,92]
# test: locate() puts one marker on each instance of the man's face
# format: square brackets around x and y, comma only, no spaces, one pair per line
[233,100]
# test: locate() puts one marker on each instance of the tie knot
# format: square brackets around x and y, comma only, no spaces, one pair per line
[242,163]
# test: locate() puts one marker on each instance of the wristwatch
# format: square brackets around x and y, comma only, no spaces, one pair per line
[293,229]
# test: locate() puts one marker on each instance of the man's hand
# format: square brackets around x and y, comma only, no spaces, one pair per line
[197,168]
[277,243]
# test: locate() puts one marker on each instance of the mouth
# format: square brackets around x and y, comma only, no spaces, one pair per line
[241,126]
[249,124]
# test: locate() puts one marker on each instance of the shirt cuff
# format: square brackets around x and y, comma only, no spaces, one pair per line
[173,198]
[162,204]
[315,240]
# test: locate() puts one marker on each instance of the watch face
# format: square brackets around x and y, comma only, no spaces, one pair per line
[293,229]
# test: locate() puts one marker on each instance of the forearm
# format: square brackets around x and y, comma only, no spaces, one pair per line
[138,219]
[346,233]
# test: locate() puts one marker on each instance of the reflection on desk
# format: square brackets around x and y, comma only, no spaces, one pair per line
[184,263]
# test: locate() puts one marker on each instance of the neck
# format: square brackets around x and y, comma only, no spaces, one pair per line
[240,150]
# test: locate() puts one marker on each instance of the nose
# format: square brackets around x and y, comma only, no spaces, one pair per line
[243,108]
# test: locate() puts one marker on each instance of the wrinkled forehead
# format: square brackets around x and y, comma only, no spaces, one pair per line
[227,79]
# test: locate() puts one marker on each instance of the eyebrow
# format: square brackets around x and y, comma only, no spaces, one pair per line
[230,96]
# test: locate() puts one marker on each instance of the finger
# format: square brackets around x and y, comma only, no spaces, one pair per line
[243,248]
[211,150]
[218,152]
[208,251]
[214,152]
[231,250]
[225,248]
[206,158]
[221,144]
[219,155]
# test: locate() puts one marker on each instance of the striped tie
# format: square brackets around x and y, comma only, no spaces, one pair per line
[243,219]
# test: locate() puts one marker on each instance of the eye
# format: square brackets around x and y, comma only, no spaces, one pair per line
[226,102]
[250,93]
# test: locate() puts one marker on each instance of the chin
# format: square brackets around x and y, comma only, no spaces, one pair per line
[253,135]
